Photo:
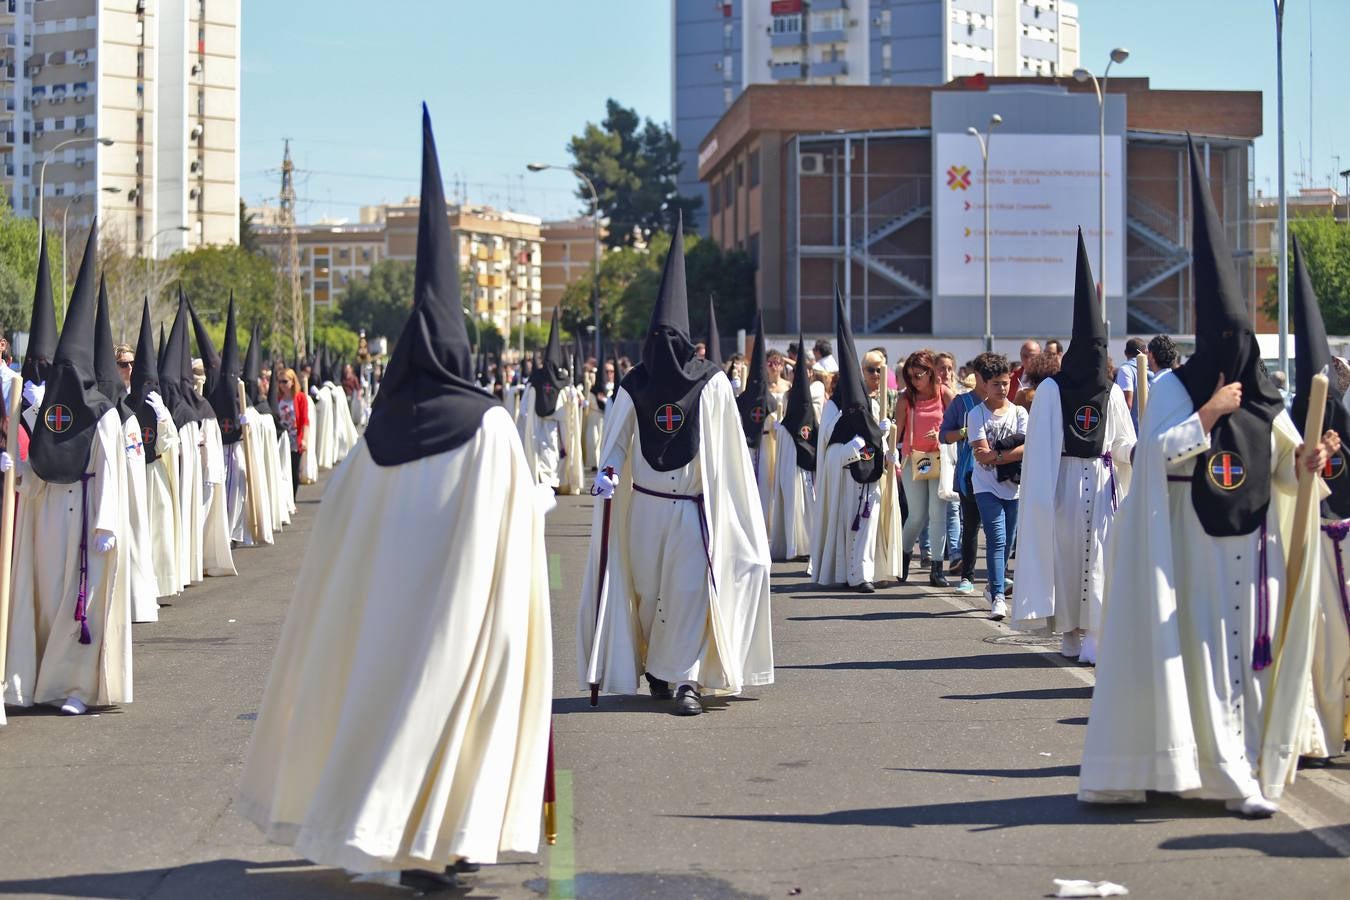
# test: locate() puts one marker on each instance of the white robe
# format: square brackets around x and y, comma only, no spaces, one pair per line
[839,553]
[217,558]
[46,663]
[344,427]
[1177,706]
[141,584]
[161,488]
[1061,562]
[309,459]
[192,508]
[792,511]
[591,431]
[240,480]
[321,409]
[765,456]
[709,628]
[1330,719]
[283,452]
[544,439]
[406,717]
[571,473]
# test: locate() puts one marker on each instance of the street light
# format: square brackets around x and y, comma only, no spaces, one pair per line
[1118,55]
[46,158]
[1283,277]
[994,121]
[595,262]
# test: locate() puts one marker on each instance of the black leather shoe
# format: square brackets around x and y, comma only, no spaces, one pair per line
[936,577]
[866,587]
[688,701]
[462,867]
[660,689]
[904,573]
[428,882]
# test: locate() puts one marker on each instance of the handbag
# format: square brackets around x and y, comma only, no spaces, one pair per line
[924,465]
[946,474]
[1011,471]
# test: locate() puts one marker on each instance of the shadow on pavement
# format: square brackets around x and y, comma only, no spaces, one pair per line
[1074,720]
[879,617]
[1299,845]
[1073,693]
[1047,772]
[993,815]
[647,885]
[946,663]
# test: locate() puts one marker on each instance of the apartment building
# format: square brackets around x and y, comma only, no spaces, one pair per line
[500,255]
[720,48]
[568,252]
[157,78]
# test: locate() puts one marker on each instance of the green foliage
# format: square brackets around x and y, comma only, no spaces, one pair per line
[634,165]
[18,268]
[209,274]
[1326,253]
[630,279]
[248,238]
[331,331]
[380,301]
[536,336]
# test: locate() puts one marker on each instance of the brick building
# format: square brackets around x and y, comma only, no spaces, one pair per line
[835,184]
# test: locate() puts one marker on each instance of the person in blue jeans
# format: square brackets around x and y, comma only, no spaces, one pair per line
[996,429]
[954,432]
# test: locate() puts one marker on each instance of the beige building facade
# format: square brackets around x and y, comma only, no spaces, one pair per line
[160,79]
[570,250]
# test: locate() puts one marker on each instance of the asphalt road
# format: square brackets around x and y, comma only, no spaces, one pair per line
[909,748]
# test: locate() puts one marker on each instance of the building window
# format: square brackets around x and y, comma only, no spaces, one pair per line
[885,23]
[789,24]
[740,175]
[886,54]
[754,168]
[828,21]
[715,194]
[728,194]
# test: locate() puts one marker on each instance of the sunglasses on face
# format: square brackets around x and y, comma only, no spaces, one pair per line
[920,373]
[284,381]
[124,364]
[875,370]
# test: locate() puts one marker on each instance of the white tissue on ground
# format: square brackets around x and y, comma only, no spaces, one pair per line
[1069,887]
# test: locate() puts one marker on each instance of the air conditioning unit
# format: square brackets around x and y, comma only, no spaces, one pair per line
[84,64]
[79,98]
[811,164]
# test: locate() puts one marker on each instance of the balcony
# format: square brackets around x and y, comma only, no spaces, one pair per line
[829,36]
[829,69]
[818,6]
[786,71]
[785,39]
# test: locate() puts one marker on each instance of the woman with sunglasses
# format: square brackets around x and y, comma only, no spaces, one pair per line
[919,417]
[293,415]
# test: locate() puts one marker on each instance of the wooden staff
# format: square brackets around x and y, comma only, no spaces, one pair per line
[1141,384]
[7,519]
[250,479]
[888,443]
[1298,543]
[550,795]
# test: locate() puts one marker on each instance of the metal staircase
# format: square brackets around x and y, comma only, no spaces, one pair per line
[1152,226]
[884,216]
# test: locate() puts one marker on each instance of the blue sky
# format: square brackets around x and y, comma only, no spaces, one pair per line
[509,81]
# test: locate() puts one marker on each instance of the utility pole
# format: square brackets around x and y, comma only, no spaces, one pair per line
[292,260]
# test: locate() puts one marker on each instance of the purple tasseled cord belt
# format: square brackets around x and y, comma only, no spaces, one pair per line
[1111,470]
[562,443]
[697,500]
[864,507]
[1337,532]
[82,599]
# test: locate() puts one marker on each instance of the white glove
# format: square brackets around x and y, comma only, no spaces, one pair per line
[736,384]
[314,391]
[885,425]
[244,419]
[893,457]
[156,402]
[6,461]
[604,486]
[33,393]
[858,443]
[104,541]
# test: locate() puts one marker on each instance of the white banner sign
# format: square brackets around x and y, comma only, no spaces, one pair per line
[1041,189]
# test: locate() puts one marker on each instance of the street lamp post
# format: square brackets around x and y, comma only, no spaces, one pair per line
[1118,55]
[47,157]
[595,262]
[1283,275]
[994,121]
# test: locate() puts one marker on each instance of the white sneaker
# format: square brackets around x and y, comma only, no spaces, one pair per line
[1071,644]
[999,612]
[1255,807]
[966,586]
[1089,654]
[73,706]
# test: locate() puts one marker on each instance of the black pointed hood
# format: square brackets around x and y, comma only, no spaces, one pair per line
[175,371]
[37,358]
[855,407]
[1084,378]
[144,379]
[224,397]
[274,387]
[799,416]
[550,378]
[72,405]
[666,385]
[159,352]
[578,363]
[480,369]
[428,402]
[253,371]
[753,402]
[106,375]
[714,344]
[1230,485]
[206,349]
[1312,355]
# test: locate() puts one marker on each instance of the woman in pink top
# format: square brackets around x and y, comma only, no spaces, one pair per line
[919,416]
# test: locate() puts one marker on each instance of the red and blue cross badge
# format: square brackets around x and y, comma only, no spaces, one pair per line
[1226,470]
[669,418]
[1086,419]
[58,418]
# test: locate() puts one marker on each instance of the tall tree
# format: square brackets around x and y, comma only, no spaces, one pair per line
[1326,252]
[248,238]
[380,301]
[18,267]
[209,274]
[634,165]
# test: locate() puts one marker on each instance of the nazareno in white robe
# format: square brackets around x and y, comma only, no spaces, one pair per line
[594,421]
[217,558]
[1061,561]
[135,563]
[344,427]
[571,474]
[406,717]
[792,510]
[1329,721]
[1177,706]
[283,451]
[191,502]
[544,439]
[238,478]
[321,410]
[161,489]
[46,662]
[765,456]
[716,630]
[309,460]
[841,554]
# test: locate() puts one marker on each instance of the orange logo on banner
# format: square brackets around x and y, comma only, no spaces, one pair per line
[958,178]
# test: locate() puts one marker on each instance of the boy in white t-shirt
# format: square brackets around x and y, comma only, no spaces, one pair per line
[996,428]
